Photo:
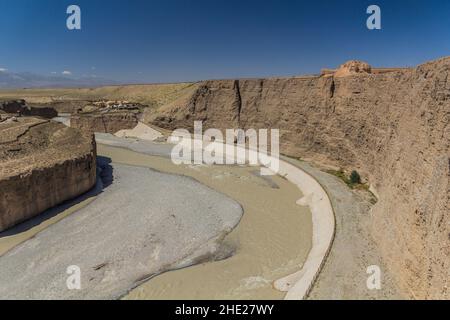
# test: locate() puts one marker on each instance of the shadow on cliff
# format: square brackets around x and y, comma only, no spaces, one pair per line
[104,179]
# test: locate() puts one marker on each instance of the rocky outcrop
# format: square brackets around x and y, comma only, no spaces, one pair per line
[21,108]
[353,67]
[107,116]
[42,163]
[104,122]
[392,126]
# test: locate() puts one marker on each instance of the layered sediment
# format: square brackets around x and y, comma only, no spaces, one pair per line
[392,126]
[43,163]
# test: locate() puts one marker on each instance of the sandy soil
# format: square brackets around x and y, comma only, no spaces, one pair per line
[141,131]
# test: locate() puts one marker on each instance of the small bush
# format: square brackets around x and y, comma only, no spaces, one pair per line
[353,181]
[355,178]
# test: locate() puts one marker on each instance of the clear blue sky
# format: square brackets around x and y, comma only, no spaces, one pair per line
[169,40]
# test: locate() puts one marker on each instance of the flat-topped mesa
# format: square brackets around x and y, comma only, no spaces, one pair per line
[42,164]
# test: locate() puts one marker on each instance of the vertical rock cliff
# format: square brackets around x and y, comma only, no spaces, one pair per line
[391,125]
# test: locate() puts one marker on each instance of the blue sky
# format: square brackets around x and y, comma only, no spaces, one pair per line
[178,40]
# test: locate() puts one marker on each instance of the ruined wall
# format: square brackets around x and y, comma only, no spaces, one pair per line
[63,106]
[42,164]
[393,127]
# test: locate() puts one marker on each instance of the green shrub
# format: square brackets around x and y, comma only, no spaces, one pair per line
[355,178]
[353,181]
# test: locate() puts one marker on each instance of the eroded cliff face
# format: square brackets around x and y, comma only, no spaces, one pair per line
[106,123]
[42,163]
[393,127]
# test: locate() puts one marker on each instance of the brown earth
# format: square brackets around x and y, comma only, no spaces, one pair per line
[42,163]
[391,126]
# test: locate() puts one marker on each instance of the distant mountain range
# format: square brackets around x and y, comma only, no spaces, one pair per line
[9,80]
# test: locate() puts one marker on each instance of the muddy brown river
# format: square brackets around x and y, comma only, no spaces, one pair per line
[271,241]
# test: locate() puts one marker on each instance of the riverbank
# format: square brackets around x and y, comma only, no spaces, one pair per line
[344,272]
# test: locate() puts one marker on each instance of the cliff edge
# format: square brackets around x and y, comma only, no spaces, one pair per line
[42,163]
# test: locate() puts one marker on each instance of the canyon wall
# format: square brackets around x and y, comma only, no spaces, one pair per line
[42,164]
[106,122]
[393,127]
